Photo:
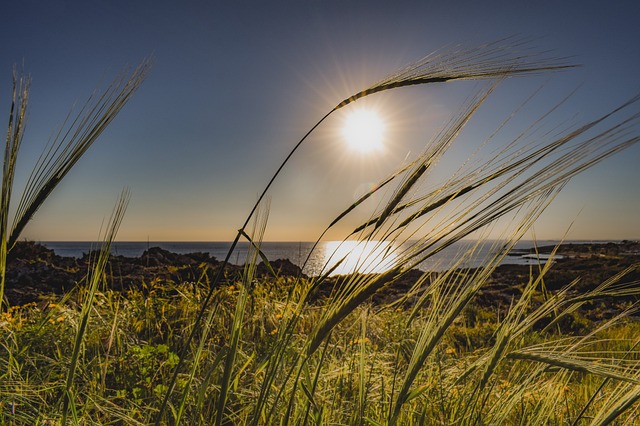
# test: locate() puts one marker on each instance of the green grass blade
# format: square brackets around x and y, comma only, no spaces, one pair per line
[236,327]
[95,278]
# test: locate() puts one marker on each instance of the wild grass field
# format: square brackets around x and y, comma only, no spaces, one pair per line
[243,348]
[482,367]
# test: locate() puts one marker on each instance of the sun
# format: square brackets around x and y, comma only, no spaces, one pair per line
[363,131]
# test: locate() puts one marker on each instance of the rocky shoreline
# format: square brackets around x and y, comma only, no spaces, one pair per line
[34,271]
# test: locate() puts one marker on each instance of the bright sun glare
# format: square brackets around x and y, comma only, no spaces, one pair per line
[363,131]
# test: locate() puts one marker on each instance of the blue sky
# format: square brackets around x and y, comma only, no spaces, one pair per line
[236,84]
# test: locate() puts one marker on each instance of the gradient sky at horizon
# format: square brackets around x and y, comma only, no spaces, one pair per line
[235,84]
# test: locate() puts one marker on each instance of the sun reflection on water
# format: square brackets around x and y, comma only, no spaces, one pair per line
[360,256]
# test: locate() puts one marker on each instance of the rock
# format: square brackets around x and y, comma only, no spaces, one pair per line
[282,267]
[155,256]
[33,270]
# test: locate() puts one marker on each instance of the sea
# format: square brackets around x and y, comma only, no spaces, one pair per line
[373,256]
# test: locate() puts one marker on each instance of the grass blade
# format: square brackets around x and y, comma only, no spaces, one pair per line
[93,281]
[71,143]
[15,132]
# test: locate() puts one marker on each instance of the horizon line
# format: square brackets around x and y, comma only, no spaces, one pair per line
[313,241]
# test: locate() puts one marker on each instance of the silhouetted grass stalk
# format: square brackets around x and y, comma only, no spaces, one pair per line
[61,154]
[491,61]
[236,328]
[15,132]
[518,182]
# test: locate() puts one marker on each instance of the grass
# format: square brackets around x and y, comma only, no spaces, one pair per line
[259,350]
[62,152]
[469,376]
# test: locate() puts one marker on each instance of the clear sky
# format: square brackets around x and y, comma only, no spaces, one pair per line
[236,83]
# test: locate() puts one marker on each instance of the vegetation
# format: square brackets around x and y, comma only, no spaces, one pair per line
[256,350]
[62,152]
[482,370]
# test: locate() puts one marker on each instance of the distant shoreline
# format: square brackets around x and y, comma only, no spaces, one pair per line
[312,259]
[181,246]
[34,269]
[572,241]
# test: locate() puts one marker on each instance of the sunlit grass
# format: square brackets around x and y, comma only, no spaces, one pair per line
[130,353]
[239,348]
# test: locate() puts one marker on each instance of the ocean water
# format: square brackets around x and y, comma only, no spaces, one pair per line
[370,257]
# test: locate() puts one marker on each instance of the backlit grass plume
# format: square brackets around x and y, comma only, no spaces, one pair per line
[496,60]
[378,341]
[15,132]
[514,185]
[493,60]
[73,139]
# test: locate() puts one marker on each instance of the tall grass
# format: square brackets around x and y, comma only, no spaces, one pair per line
[15,132]
[93,281]
[491,61]
[518,181]
[63,151]
[249,349]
